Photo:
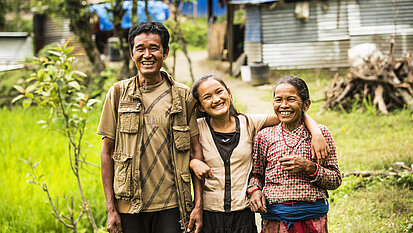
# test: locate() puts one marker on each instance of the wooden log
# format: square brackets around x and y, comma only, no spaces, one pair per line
[378,99]
[407,97]
[345,92]
[370,173]
[392,96]
[372,78]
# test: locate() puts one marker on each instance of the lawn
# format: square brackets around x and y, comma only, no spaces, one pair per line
[365,142]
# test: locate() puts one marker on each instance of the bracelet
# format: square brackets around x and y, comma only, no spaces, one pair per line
[316,170]
[255,189]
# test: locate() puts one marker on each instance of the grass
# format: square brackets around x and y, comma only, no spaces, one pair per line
[365,141]
[23,207]
[379,205]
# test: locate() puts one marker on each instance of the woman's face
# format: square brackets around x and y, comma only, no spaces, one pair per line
[214,98]
[288,105]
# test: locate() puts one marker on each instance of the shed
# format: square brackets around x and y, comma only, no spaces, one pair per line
[318,34]
[49,30]
[14,48]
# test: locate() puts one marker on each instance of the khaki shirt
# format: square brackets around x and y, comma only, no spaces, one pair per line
[126,129]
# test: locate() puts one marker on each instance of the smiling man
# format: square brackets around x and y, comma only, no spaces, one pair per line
[149,136]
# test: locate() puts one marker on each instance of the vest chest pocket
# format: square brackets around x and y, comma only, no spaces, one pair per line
[182,137]
[129,117]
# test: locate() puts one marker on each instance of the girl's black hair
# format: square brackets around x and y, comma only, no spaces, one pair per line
[232,110]
[299,85]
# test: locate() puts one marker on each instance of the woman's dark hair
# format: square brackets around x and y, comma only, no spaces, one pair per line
[299,85]
[232,110]
[149,27]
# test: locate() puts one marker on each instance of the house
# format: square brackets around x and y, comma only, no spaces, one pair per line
[318,33]
[14,48]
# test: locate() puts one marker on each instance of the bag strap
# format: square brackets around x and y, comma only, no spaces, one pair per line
[116,96]
[191,107]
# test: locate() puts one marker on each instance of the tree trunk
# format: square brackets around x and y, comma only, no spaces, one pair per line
[2,14]
[148,16]
[79,20]
[118,13]
[134,17]
[18,15]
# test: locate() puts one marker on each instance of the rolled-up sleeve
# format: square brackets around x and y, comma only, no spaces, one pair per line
[259,154]
[107,123]
[329,175]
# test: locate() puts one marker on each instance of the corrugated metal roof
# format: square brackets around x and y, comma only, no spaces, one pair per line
[324,40]
[252,31]
[404,43]
[14,34]
[280,25]
[55,30]
[15,49]
[253,51]
[322,54]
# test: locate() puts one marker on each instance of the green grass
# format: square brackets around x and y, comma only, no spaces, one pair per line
[23,206]
[379,205]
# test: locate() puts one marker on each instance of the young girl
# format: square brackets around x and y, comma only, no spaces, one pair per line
[226,139]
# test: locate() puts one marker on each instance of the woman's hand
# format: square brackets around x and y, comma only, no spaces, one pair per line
[297,164]
[257,202]
[319,147]
[201,170]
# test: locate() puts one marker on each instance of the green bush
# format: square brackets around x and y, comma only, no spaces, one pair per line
[7,80]
[196,33]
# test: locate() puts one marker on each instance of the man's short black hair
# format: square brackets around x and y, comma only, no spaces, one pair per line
[149,27]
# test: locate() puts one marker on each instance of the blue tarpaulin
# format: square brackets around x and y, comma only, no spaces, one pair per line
[158,11]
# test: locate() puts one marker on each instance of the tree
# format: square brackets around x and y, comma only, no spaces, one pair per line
[78,13]
[57,86]
[118,13]
[177,35]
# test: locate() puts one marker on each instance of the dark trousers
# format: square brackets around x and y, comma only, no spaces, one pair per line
[242,221]
[165,221]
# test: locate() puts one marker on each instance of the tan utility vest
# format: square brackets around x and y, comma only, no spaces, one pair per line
[128,142]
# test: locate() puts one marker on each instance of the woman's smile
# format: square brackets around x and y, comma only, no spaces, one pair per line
[214,98]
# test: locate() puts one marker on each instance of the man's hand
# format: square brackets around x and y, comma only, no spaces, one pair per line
[319,148]
[114,222]
[201,170]
[257,202]
[195,220]
[297,164]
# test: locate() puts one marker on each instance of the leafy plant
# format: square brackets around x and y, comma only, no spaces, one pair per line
[57,86]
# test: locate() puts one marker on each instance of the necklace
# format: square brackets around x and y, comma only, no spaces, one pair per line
[285,142]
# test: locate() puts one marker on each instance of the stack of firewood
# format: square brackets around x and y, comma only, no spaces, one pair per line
[385,82]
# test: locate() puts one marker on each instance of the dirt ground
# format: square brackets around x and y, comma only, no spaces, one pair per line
[249,96]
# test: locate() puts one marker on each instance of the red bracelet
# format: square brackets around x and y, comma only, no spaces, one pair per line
[316,170]
[255,189]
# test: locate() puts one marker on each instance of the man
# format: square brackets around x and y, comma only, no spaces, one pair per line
[149,135]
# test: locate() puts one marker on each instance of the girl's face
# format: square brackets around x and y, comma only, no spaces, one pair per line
[288,105]
[214,98]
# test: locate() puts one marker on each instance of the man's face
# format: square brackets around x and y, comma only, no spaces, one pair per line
[148,54]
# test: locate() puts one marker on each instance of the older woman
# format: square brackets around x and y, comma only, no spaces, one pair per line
[287,186]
